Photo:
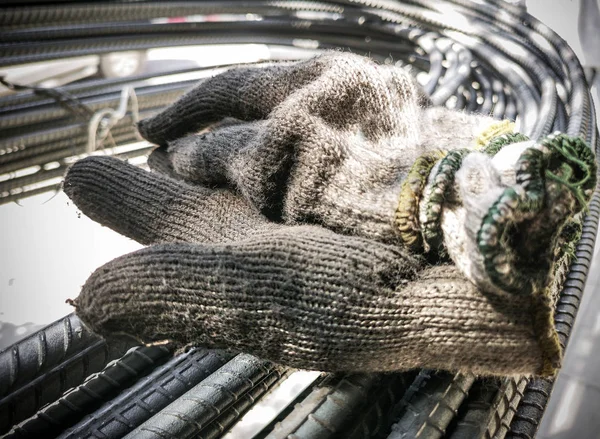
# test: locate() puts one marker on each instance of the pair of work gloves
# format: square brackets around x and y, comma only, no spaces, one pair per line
[320,214]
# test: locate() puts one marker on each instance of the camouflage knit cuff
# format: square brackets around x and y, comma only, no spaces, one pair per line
[500,214]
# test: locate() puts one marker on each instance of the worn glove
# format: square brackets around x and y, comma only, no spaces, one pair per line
[306,296]
[330,141]
[343,142]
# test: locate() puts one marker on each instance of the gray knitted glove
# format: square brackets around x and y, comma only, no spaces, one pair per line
[219,274]
[331,139]
[343,142]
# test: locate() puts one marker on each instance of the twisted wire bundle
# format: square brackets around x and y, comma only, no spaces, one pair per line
[489,58]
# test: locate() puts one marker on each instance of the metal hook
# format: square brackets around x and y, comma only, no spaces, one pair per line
[103,120]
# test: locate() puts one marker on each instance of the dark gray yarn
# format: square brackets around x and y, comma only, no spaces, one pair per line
[151,208]
[251,156]
[331,142]
[205,158]
[303,296]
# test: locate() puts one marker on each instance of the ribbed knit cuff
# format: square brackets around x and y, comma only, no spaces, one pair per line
[499,214]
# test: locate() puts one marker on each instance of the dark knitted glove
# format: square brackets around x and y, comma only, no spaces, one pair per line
[340,142]
[343,142]
[302,296]
[331,139]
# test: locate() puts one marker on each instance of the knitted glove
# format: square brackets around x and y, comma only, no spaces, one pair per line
[219,274]
[331,139]
[354,152]
[343,142]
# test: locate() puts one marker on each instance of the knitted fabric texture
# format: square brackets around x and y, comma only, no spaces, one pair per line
[298,295]
[350,147]
[343,142]
[330,140]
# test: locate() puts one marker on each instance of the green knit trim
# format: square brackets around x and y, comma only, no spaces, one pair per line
[444,178]
[557,176]
[494,130]
[559,159]
[514,205]
[577,170]
[441,185]
[497,143]
[407,212]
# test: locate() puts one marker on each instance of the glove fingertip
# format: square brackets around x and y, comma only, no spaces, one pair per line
[83,171]
[72,181]
[157,129]
[143,127]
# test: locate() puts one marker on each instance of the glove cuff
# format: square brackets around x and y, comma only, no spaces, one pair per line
[505,216]
[413,189]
